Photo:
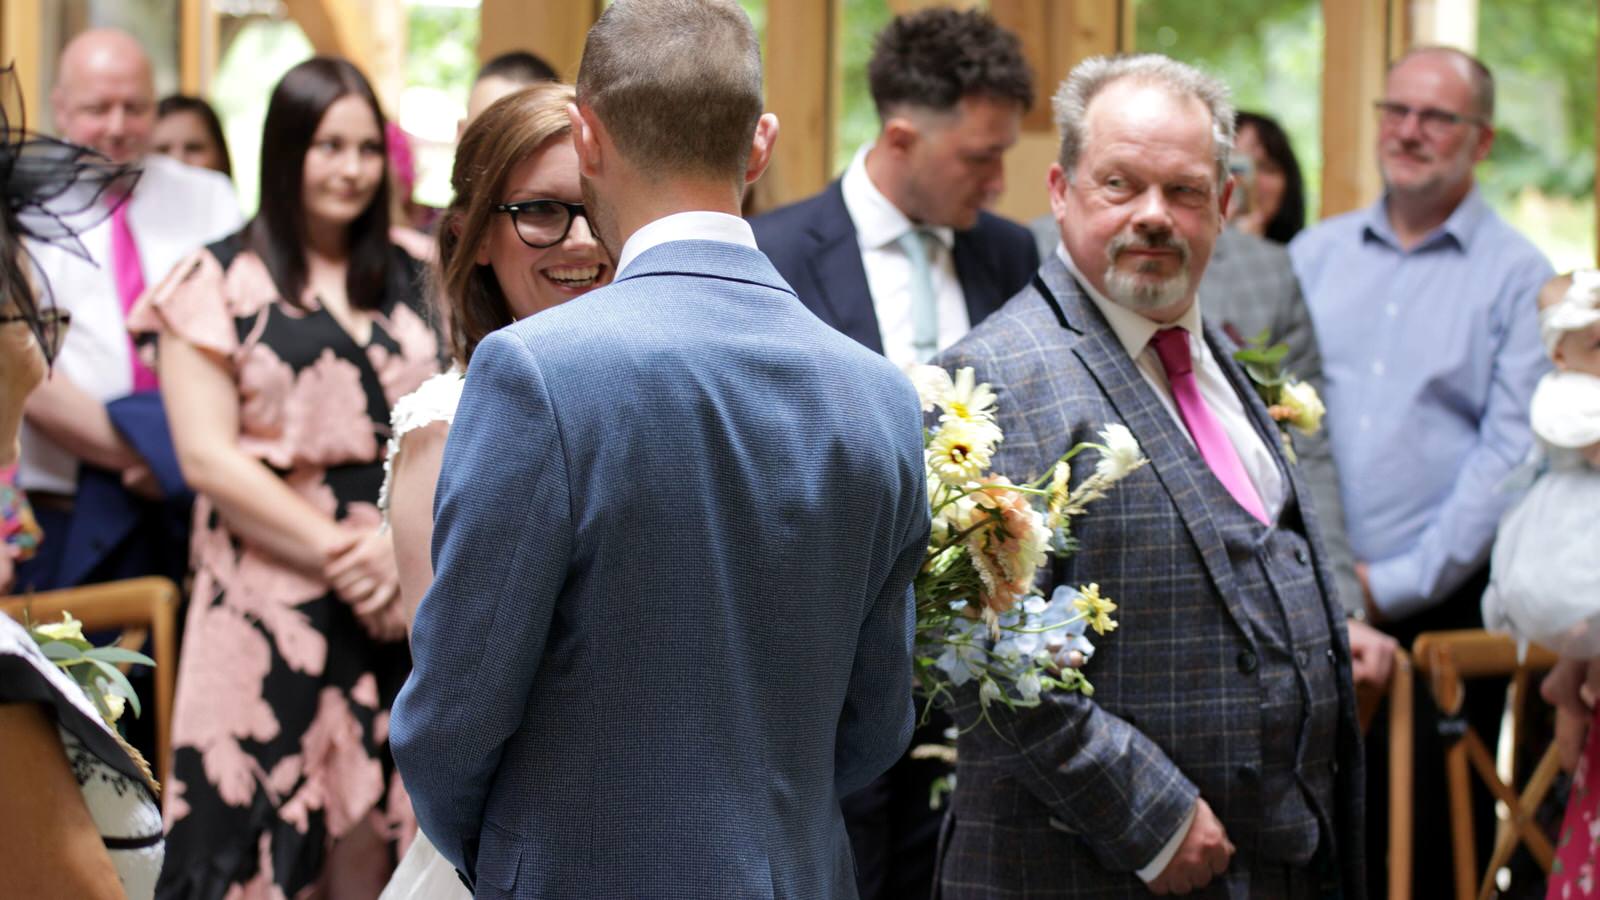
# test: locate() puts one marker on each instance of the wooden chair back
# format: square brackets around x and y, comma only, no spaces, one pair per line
[1398,692]
[1448,659]
[137,603]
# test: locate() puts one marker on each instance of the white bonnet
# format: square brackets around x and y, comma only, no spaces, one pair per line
[1577,309]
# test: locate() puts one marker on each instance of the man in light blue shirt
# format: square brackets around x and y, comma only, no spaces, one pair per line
[1425,308]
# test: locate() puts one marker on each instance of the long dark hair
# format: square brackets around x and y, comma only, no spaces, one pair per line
[278,232]
[183,103]
[1291,215]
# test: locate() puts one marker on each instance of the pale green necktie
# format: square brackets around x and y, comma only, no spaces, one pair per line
[924,303]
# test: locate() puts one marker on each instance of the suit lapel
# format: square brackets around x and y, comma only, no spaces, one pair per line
[1294,485]
[838,273]
[1173,459]
[979,283]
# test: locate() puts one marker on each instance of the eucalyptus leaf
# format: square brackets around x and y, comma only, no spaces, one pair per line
[60,651]
[119,655]
[120,682]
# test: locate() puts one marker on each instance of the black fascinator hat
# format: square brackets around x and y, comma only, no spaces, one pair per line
[50,191]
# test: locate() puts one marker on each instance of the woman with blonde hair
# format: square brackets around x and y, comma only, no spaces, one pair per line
[515,241]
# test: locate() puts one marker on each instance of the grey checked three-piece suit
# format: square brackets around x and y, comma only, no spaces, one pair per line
[1229,678]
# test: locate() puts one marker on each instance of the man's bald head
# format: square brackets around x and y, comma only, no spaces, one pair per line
[104,96]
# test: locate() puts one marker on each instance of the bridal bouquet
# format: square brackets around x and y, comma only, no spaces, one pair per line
[979,615]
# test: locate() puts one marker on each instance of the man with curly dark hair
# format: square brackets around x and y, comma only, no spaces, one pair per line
[899,254]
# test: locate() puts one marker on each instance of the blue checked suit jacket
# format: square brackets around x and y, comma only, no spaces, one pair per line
[671,624]
[1070,798]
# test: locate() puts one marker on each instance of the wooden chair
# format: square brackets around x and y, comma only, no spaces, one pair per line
[1447,659]
[1399,694]
[137,603]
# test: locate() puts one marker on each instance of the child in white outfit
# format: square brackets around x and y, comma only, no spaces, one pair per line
[1545,569]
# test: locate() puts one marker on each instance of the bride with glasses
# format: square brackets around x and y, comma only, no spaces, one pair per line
[514,242]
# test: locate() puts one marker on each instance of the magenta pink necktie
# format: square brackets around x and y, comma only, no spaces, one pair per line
[1172,345]
[130,284]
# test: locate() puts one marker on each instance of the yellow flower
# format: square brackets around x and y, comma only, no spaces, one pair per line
[1303,405]
[1096,609]
[967,401]
[1060,492]
[959,452]
[68,629]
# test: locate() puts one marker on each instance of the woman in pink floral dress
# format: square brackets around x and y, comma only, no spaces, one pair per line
[281,351]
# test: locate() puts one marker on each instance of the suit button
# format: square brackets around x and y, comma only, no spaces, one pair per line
[1331,657]
[1303,658]
[1246,773]
[1247,661]
[1300,555]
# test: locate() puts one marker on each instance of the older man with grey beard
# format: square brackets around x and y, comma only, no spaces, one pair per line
[1219,753]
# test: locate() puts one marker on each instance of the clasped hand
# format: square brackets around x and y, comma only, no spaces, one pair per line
[362,571]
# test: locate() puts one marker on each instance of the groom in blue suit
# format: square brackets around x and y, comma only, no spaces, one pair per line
[675,531]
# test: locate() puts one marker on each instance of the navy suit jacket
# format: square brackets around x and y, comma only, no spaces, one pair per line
[671,621]
[813,245]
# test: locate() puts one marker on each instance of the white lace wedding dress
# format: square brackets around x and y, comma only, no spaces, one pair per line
[423,874]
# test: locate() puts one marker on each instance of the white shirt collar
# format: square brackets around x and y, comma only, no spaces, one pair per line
[695,225]
[1133,331]
[878,221]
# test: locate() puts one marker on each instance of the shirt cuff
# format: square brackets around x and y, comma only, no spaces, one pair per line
[1153,869]
[1393,583]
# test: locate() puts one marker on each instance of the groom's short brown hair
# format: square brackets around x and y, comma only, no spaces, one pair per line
[677,84]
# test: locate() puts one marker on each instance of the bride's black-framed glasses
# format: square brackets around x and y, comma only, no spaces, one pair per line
[542,223]
[49,325]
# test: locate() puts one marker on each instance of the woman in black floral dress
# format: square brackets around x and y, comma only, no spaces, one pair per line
[281,351]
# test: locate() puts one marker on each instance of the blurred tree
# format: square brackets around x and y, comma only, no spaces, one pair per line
[1269,52]
[1541,173]
[856,118]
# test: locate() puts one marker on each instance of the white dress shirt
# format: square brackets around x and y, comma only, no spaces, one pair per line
[175,210]
[1134,332]
[697,225]
[879,224]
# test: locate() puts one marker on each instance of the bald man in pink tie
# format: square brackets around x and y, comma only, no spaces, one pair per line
[104,98]
[1219,754]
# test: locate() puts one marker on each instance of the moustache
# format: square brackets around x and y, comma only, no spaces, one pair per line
[1159,241]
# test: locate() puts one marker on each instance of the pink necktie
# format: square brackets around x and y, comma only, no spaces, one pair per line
[1172,345]
[130,284]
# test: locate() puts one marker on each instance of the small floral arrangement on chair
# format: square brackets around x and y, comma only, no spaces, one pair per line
[93,669]
[1292,403]
[979,614]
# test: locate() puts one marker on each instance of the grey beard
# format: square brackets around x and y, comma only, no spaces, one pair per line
[1143,295]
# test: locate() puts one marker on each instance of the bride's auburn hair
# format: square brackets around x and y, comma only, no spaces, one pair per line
[509,131]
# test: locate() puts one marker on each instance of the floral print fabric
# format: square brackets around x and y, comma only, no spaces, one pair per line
[1576,871]
[280,724]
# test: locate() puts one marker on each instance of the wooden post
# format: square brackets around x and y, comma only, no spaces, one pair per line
[554,30]
[1355,56]
[20,39]
[335,27]
[197,47]
[802,89]
[1055,37]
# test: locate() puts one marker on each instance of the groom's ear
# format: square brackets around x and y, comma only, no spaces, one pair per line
[586,129]
[761,146]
